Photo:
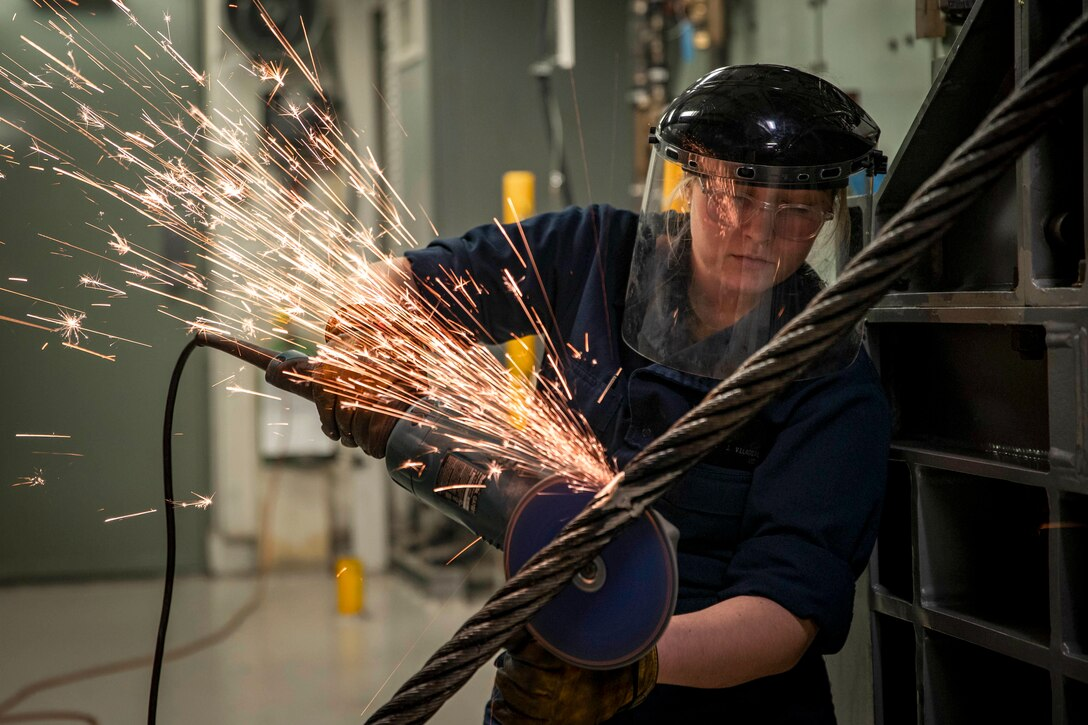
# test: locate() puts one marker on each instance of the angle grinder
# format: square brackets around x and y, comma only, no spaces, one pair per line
[610,614]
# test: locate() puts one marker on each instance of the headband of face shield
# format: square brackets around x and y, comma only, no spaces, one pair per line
[736,237]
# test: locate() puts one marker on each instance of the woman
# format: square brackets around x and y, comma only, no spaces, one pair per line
[777,523]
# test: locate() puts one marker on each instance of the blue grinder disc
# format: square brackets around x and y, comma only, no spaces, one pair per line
[616,609]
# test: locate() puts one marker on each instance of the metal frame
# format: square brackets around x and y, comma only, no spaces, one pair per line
[978,594]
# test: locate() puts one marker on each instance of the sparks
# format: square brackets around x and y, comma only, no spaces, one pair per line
[91,282]
[237,389]
[269,71]
[35,479]
[130,516]
[608,387]
[458,487]
[120,244]
[472,543]
[72,328]
[201,502]
[257,246]
[110,358]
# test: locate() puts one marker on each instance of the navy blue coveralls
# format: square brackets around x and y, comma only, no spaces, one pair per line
[787,509]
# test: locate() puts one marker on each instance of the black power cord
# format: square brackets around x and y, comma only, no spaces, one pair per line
[286,371]
[287,374]
[171,532]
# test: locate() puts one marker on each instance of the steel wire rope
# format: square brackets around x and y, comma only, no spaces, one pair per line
[997,142]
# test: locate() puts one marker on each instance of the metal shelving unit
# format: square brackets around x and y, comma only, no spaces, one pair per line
[979,583]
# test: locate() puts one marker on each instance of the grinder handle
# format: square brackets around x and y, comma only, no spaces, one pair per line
[291,370]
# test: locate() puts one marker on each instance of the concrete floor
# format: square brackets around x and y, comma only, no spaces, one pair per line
[295,660]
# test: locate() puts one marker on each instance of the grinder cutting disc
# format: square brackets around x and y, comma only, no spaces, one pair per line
[615,609]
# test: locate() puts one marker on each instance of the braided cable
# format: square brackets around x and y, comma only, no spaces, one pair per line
[999,140]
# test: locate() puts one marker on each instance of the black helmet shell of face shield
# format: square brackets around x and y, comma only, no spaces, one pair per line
[743,221]
[767,125]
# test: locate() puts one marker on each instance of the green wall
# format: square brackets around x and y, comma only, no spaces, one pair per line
[112,411]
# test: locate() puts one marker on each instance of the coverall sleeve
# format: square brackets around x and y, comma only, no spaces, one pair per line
[469,279]
[813,510]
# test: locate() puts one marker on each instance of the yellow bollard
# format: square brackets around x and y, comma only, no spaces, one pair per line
[518,202]
[521,357]
[670,200]
[518,190]
[349,585]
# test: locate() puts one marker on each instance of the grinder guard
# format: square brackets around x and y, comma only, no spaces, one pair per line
[614,611]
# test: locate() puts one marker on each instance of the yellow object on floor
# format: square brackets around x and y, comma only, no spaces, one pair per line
[349,585]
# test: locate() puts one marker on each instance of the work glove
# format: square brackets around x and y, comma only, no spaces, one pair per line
[352,402]
[535,686]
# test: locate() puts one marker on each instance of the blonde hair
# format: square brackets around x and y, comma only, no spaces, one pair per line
[827,255]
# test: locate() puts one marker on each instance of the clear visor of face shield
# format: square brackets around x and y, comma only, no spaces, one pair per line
[720,266]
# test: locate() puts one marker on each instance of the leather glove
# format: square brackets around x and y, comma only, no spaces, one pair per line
[348,398]
[535,686]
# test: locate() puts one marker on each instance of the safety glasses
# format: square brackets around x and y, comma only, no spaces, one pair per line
[732,207]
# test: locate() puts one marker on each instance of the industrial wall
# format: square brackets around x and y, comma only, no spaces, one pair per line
[85,428]
[866,47]
[490,114]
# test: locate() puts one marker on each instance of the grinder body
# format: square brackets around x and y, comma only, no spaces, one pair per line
[424,458]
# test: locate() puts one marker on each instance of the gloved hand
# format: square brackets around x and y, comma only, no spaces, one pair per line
[348,397]
[347,412]
[535,686]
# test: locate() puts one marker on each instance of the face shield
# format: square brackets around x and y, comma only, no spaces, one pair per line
[726,254]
